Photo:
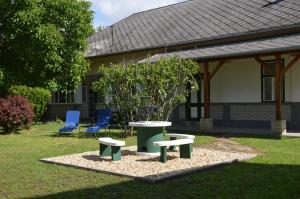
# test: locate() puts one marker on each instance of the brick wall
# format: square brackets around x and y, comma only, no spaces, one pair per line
[216,111]
[239,115]
[59,110]
[258,112]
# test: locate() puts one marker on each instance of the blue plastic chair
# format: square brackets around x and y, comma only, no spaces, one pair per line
[103,118]
[72,122]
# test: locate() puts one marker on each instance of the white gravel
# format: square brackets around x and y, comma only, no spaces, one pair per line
[150,168]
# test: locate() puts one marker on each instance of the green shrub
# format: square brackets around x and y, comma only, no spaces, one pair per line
[38,97]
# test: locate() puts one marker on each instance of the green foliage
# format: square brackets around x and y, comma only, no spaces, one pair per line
[129,88]
[117,83]
[165,83]
[1,77]
[38,97]
[44,40]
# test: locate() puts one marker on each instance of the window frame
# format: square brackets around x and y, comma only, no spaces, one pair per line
[68,96]
[273,76]
[84,100]
[199,105]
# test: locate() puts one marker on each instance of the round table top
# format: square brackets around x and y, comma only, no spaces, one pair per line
[150,124]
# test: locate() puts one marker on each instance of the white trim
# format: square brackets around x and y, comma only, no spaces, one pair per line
[181,136]
[173,142]
[111,142]
[150,124]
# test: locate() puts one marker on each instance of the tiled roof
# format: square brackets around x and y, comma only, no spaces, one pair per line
[193,21]
[279,44]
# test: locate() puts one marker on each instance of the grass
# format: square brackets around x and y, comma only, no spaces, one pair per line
[276,174]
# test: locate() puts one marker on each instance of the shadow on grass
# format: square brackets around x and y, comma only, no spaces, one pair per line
[62,135]
[83,135]
[2,132]
[230,132]
[241,180]
[269,137]
[230,135]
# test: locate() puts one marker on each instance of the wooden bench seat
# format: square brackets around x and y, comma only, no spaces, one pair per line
[110,147]
[185,146]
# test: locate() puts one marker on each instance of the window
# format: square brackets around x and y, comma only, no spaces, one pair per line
[59,97]
[193,103]
[268,87]
[77,97]
[268,81]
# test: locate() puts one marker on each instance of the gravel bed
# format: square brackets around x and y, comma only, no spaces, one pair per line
[149,169]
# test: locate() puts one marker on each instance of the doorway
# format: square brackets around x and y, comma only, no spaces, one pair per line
[195,102]
[92,100]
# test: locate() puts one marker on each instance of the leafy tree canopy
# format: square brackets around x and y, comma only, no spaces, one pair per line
[129,89]
[42,42]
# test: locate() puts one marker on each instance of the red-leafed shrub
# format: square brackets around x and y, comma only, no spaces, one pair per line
[15,114]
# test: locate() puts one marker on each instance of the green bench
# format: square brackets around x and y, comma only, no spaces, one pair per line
[110,147]
[185,148]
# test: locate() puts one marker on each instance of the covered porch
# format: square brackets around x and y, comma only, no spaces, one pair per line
[219,131]
[246,108]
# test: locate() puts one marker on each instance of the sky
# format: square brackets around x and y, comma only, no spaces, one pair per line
[108,12]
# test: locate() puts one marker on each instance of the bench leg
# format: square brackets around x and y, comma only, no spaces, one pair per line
[105,150]
[163,154]
[172,148]
[116,153]
[185,151]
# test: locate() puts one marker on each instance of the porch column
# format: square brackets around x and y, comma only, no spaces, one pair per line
[278,85]
[206,90]
[206,123]
[278,126]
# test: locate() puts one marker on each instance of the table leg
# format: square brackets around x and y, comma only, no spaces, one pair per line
[163,154]
[185,151]
[116,153]
[105,150]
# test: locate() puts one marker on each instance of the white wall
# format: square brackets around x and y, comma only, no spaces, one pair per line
[292,82]
[237,81]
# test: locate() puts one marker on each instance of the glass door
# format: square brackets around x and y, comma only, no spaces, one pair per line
[92,100]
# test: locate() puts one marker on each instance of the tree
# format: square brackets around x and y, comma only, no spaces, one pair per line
[99,28]
[130,88]
[117,84]
[42,42]
[165,83]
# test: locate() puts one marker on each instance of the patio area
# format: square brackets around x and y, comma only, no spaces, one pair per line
[150,170]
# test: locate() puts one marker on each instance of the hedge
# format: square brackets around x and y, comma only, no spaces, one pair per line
[38,98]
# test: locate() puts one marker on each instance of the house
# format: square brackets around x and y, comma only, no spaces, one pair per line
[248,50]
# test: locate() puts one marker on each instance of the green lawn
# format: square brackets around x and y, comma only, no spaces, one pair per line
[276,174]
